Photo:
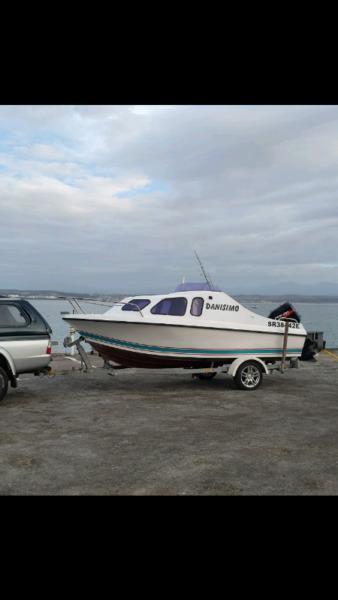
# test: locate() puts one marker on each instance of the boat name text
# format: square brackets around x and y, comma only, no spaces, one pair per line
[209,306]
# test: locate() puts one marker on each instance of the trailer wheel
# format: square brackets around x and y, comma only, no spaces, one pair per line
[249,375]
[206,375]
[3,383]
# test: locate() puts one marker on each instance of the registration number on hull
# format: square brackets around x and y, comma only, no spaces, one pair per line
[292,325]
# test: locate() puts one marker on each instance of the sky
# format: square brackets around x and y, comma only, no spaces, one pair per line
[114,199]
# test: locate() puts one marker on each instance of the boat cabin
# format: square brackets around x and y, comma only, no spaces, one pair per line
[192,302]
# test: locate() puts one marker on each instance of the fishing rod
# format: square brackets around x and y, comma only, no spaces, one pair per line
[207,278]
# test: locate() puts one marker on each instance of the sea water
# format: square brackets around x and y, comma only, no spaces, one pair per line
[315,317]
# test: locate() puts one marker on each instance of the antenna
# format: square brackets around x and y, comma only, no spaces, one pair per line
[208,280]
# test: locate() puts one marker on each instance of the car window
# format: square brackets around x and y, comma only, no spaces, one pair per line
[197,307]
[170,306]
[12,316]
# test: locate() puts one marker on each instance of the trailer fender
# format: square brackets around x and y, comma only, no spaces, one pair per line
[9,361]
[239,361]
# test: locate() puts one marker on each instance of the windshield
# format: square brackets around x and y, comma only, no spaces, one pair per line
[136,304]
[170,306]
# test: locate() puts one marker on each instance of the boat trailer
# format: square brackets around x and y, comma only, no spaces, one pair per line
[246,370]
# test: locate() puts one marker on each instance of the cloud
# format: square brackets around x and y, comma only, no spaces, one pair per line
[116,197]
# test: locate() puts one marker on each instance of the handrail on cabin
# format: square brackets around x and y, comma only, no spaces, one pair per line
[75,304]
[279,318]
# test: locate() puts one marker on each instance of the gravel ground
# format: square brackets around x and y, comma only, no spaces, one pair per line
[142,432]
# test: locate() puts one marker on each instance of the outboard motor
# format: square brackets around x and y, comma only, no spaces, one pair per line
[313,344]
[285,311]
[314,341]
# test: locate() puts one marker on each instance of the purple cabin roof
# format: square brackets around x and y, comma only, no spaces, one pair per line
[192,286]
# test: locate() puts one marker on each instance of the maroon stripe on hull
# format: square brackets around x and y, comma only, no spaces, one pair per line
[149,361]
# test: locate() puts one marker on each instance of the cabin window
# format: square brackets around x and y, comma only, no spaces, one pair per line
[197,307]
[170,306]
[139,302]
[12,316]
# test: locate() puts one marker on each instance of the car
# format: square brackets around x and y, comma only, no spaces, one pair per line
[25,342]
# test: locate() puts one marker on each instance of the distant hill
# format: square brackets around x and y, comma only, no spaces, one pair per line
[273,297]
[322,289]
[41,293]
[56,294]
[284,297]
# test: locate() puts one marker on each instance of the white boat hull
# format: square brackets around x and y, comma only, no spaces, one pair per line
[167,345]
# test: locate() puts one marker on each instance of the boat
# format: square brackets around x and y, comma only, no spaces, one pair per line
[195,326]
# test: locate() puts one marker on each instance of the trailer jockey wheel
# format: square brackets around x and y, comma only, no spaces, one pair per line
[249,375]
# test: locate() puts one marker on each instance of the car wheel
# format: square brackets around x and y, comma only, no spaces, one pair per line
[249,375]
[3,383]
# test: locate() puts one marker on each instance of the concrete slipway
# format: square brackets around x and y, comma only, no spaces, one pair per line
[163,433]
